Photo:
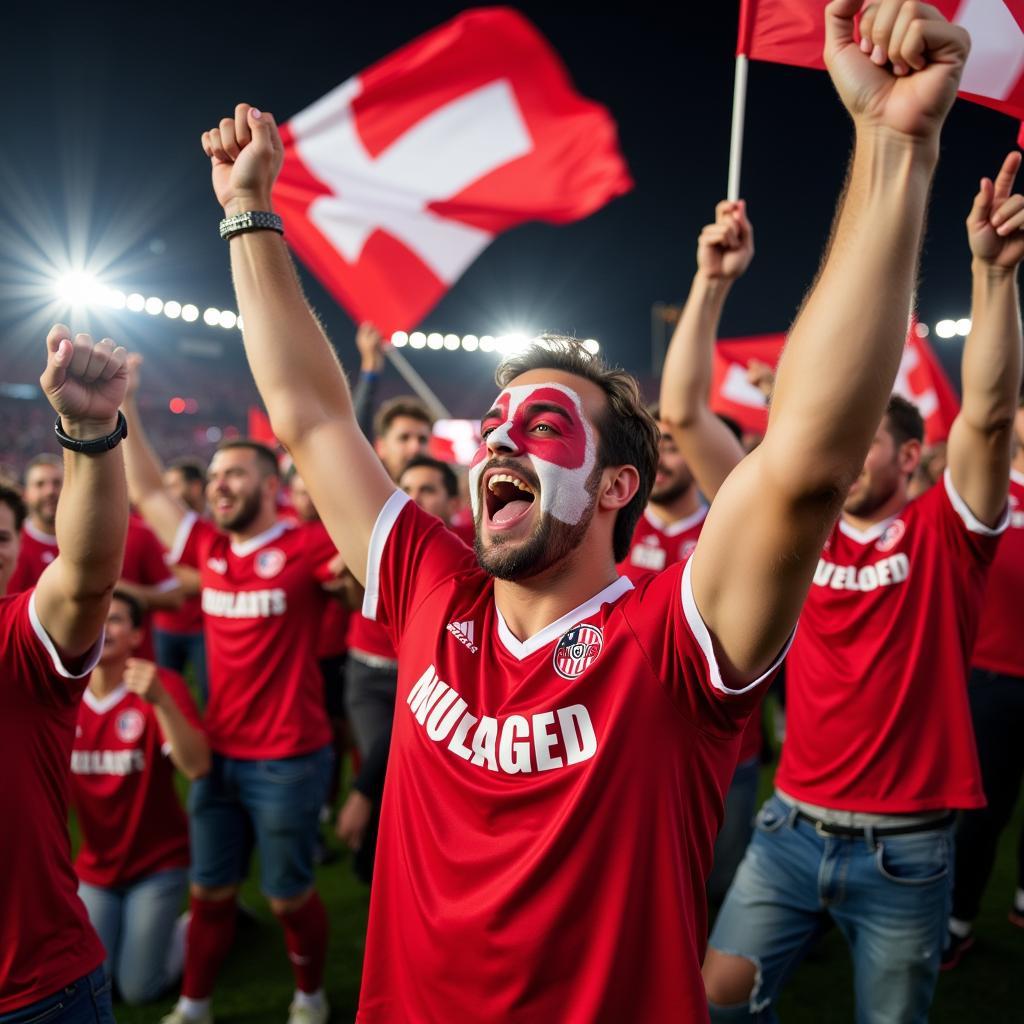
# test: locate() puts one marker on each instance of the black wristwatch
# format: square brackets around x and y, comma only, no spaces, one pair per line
[96,445]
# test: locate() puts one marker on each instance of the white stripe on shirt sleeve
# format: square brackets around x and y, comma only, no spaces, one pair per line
[44,638]
[378,539]
[703,638]
[188,520]
[970,520]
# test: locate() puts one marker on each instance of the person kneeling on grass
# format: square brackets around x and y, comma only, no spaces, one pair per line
[135,721]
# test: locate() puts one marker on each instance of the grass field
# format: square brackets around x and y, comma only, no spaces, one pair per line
[256,985]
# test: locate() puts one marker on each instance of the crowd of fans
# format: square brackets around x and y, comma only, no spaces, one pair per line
[548,693]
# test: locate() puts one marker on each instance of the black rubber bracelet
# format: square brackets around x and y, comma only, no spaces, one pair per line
[96,445]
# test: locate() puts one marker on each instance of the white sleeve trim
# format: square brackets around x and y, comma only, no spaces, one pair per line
[51,649]
[970,520]
[188,520]
[703,638]
[378,539]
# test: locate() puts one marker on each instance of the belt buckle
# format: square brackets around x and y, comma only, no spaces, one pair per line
[822,829]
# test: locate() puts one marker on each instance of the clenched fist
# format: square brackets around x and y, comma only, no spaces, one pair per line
[725,248]
[143,678]
[246,153]
[84,381]
[903,75]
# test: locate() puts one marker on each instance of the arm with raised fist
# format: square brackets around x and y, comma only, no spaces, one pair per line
[980,439]
[756,556]
[295,368]
[724,251]
[84,381]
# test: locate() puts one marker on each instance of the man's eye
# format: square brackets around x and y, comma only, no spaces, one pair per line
[486,432]
[545,426]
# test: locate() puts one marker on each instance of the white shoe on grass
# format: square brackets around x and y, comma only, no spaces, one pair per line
[178,1016]
[309,1013]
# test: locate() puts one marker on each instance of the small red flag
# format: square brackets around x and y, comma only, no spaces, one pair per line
[793,32]
[395,181]
[922,380]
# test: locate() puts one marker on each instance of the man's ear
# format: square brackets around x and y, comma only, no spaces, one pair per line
[909,456]
[618,487]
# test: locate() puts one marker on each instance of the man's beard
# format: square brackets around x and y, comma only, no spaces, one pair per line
[244,517]
[45,512]
[869,500]
[671,491]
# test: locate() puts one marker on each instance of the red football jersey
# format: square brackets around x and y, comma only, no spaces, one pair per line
[877,718]
[122,787]
[262,606]
[46,941]
[144,564]
[1000,646]
[37,551]
[657,546]
[551,804]
[369,637]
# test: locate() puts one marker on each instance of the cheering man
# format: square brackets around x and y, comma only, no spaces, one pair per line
[547,830]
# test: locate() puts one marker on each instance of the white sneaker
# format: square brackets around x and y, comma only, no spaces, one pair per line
[177,1016]
[305,1014]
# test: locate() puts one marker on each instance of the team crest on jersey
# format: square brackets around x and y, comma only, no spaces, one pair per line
[893,535]
[217,565]
[578,650]
[130,725]
[686,549]
[269,563]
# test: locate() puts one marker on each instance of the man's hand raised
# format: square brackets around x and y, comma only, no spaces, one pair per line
[246,153]
[995,225]
[370,343]
[84,381]
[725,248]
[903,75]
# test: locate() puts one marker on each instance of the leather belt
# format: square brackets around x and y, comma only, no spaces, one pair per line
[827,828]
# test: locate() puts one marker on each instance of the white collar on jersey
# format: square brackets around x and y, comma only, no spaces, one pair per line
[680,525]
[101,705]
[872,533]
[247,547]
[1017,476]
[37,535]
[520,649]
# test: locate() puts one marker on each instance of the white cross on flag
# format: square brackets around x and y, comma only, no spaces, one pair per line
[395,181]
[793,32]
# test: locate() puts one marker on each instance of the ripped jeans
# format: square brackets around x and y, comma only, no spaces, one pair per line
[889,896]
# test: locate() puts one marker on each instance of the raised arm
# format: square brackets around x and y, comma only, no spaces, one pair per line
[146,488]
[724,251]
[979,441]
[371,362]
[756,556]
[84,382]
[295,368]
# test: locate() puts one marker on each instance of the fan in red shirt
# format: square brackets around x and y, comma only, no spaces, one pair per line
[557,778]
[134,723]
[996,694]
[144,574]
[879,748]
[51,962]
[263,600]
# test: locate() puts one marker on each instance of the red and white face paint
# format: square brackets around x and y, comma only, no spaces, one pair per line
[544,422]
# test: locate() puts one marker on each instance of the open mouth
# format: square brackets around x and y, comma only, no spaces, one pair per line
[508,499]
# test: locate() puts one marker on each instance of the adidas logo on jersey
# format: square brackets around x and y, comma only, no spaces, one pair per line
[464,632]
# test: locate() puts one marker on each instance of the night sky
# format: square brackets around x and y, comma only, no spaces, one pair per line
[104,108]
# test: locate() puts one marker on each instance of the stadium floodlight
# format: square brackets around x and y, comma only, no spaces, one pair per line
[946,328]
[963,326]
[189,313]
[172,309]
[470,343]
[211,316]
[115,298]
[487,343]
[452,342]
[227,319]
[135,302]
[435,340]
[922,330]
[592,346]
[417,339]
[399,339]
[77,288]
[154,306]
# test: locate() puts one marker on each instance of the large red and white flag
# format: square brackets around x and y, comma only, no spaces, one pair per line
[920,379]
[793,32]
[395,181]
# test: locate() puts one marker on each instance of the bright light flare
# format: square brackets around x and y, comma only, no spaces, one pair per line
[946,329]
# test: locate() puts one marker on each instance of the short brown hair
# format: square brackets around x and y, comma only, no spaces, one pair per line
[44,459]
[10,495]
[403,405]
[191,469]
[629,435]
[903,420]
[264,453]
[136,613]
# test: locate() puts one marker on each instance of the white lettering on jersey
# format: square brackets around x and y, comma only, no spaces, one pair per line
[884,573]
[107,762]
[244,604]
[512,745]
[648,555]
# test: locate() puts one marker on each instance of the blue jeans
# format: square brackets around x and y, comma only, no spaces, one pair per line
[890,897]
[135,923]
[274,804]
[86,1001]
[178,650]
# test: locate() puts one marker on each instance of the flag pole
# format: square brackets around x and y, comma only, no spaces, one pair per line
[417,383]
[739,106]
